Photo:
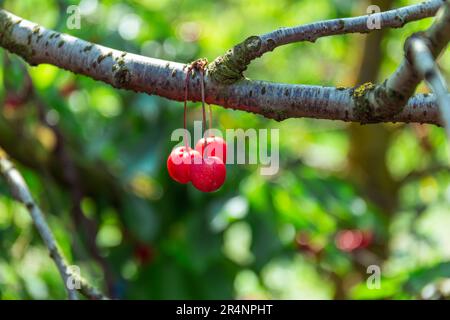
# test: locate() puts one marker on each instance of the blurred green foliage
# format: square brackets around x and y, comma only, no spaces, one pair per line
[258,237]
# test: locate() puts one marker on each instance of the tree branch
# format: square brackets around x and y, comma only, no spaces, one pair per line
[166,79]
[389,98]
[21,193]
[428,70]
[71,177]
[229,67]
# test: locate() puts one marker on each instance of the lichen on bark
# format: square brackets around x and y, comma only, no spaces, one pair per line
[368,98]
[229,68]
[122,76]
[362,109]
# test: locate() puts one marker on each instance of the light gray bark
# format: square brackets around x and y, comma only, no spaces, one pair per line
[164,78]
[21,193]
[229,67]
[427,68]
[389,97]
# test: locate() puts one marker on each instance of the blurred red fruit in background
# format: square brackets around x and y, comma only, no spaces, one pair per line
[350,240]
[144,253]
[13,101]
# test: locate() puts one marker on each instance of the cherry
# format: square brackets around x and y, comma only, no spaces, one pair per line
[207,173]
[350,240]
[214,147]
[13,101]
[179,163]
[367,238]
[144,253]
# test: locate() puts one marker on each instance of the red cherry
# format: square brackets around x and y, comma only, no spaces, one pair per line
[367,238]
[214,147]
[208,174]
[144,253]
[349,240]
[179,164]
[13,101]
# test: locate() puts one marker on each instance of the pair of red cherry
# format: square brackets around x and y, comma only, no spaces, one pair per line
[204,166]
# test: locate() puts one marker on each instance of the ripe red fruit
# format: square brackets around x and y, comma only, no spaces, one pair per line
[213,147]
[367,238]
[207,173]
[13,101]
[179,164]
[350,240]
[144,253]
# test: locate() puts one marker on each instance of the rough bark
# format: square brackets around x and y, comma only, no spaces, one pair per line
[164,78]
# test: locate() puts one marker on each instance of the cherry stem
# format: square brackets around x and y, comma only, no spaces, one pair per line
[202,85]
[210,119]
[186,90]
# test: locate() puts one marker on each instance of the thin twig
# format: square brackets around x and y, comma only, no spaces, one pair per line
[390,97]
[427,68]
[395,18]
[21,193]
[71,176]
[229,67]
[202,86]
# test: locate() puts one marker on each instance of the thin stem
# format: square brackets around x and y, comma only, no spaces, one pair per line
[395,18]
[210,117]
[21,193]
[428,70]
[229,67]
[186,91]
[390,97]
[202,86]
